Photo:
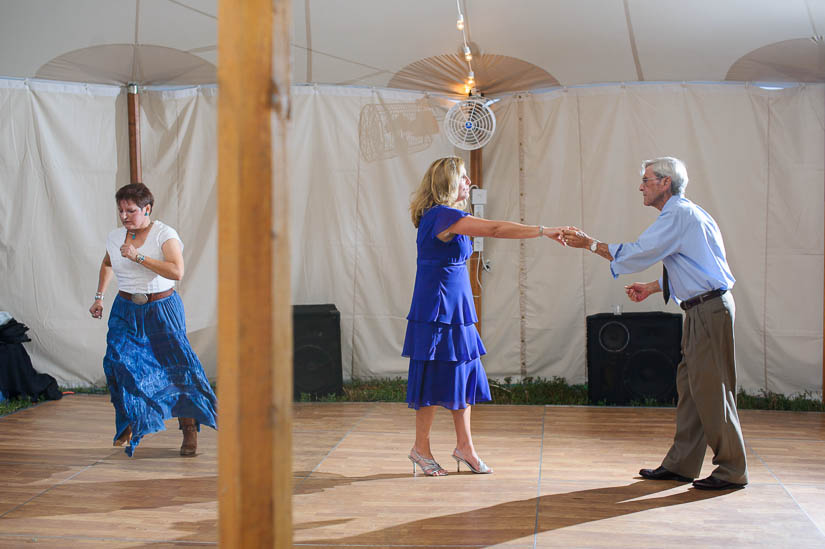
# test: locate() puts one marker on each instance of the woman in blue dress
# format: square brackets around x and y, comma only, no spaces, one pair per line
[442,342]
[152,372]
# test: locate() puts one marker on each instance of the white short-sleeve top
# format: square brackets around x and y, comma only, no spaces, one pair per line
[133,277]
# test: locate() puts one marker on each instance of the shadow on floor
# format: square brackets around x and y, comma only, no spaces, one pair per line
[73,498]
[515,520]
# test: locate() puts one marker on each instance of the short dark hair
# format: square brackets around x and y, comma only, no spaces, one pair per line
[137,193]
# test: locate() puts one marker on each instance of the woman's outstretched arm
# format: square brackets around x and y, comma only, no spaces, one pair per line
[477,226]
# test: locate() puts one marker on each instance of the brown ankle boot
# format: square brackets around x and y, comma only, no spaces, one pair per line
[124,437]
[190,436]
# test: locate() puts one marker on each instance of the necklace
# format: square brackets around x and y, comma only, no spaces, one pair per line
[134,234]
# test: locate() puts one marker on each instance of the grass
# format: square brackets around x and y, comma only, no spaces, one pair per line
[767,400]
[537,391]
[12,405]
[553,391]
[529,390]
[87,390]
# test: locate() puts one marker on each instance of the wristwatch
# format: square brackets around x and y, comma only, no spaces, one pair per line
[594,245]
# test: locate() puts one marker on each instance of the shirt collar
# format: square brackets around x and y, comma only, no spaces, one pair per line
[671,202]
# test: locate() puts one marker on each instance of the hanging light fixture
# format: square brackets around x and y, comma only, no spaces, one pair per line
[470,83]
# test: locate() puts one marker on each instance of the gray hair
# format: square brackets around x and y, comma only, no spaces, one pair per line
[668,166]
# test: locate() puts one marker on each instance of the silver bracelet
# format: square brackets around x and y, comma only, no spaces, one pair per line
[99,296]
[140,258]
[541,230]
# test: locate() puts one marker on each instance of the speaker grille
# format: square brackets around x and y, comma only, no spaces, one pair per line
[312,364]
[633,357]
[647,375]
[614,337]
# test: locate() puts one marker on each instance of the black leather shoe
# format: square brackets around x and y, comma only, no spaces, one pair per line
[713,483]
[660,473]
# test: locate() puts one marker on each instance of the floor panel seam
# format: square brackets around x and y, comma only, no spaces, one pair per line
[538,488]
[95,538]
[785,488]
[367,413]
[65,480]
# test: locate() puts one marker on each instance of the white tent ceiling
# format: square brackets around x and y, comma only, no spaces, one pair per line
[372,42]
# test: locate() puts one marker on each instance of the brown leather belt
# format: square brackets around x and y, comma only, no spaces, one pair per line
[140,299]
[701,298]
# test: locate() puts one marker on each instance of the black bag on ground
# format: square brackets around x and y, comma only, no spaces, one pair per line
[17,375]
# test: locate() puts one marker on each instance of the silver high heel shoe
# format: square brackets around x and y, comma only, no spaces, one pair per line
[428,466]
[459,459]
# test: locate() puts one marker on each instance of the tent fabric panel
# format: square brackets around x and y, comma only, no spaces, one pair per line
[174,128]
[554,309]
[386,256]
[500,310]
[60,162]
[323,171]
[794,247]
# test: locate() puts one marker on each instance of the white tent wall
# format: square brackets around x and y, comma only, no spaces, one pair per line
[177,127]
[323,192]
[353,243]
[566,156]
[62,151]
[755,163]
[792,297]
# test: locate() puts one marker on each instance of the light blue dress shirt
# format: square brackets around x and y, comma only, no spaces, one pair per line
[687,240]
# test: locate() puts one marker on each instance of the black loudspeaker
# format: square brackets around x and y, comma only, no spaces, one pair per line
[316,364]
[633,357]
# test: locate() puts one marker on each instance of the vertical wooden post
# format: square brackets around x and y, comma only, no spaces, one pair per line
[133,103]
[281,416]
[473,267]
[254,325]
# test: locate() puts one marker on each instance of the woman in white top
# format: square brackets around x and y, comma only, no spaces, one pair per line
[152,372]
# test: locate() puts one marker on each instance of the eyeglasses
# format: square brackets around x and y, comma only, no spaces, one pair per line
[646,180]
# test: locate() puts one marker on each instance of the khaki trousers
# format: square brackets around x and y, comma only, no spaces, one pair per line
[706,383]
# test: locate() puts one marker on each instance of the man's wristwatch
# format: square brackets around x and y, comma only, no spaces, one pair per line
[594,245]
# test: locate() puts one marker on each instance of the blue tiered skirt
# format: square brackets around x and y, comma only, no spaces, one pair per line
[152,371]
[445,365]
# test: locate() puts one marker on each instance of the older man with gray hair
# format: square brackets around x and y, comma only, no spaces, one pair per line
[687,241]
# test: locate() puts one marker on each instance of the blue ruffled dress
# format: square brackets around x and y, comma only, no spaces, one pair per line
[152,371]
[442,342]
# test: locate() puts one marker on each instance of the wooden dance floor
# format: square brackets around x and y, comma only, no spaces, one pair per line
[565,477]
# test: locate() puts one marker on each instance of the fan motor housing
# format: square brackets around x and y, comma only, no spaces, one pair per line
[470,123]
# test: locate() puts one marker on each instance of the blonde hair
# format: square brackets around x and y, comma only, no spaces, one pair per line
[438,186]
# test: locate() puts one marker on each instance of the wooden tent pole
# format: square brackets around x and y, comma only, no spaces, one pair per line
[280,413]
[133,103]
[475,271]
[254,323]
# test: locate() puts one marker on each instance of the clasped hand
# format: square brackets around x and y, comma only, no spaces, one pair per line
[576,238]
[555,233]
[128,251]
